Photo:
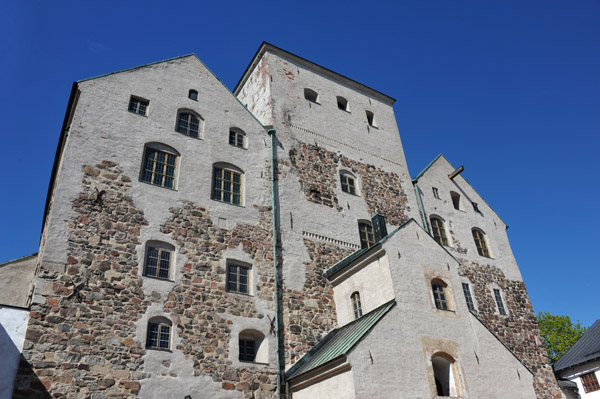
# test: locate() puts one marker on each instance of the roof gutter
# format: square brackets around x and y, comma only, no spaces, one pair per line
[421,207]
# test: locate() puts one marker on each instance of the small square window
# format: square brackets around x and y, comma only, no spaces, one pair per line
[159,333]
[247,350]
[238,279]
[348,184]
[436,195]
[475,207]
[590,382]
[236,138]
[138,106]
[158,262]
[193,95]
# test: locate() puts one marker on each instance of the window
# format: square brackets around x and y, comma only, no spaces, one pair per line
[365,231]
[436,195]
[479,238]
[253,347]
[438,231]
[238,278]
[348,183]
[590,382]
[311,96]
[371,119]
[498,298]
[236,137]
[159,333]
[439,294]
[138,106]
[356,305]
[159,258]
[342,103]
[193,94]
[468,297]
[159,167]
[475,207]
[445,373]
[227,185]
[455,200]
[188,124]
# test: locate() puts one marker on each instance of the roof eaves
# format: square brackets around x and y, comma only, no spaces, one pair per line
[585,350]
[265,46]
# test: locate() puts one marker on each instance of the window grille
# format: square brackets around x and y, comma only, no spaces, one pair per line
[499,302]
[138,106]
[227,186]
[159,335]
[159,168]
[237,279]
[188,124]
[158,262]
[247,350]
[348,185]
[590,382]
[439,232]
[439,296]
[365,231]
[236,138]
[356,305]
[479,238]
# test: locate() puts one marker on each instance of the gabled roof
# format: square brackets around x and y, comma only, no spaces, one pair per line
[264,47]
[585,350]
[338,342]
[348,260]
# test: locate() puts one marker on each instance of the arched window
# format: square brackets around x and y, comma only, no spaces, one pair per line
[371,118]
[188,123]
[348,181]
[237,137]
[445,373]
[365,230]
[193,94]
[440,294]
[479,238]
[159,166]
[438,231]
[159,259]
[455,199]
[253,347]
[159,333]
[356,305]
[311,96]
[342,104]
[227,184]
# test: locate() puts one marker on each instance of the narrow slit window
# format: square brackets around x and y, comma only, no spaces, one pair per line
[480,243]
[468,297]
[499,303]
[365,231]
[342,103]
[455,200]
[371,119]
[438,231]
[356,305]
[439,295]
[436,194]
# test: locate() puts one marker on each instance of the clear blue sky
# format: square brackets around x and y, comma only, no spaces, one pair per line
[509,89]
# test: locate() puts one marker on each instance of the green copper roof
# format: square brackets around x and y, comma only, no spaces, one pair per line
[338,342]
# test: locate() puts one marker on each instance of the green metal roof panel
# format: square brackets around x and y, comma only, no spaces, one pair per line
[338,342]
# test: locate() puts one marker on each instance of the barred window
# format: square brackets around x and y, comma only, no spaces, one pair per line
[138,106]
[590,382]
[468,297]
[356,305]
[159,168]
[479,238]
[498,298]
[348,183]
[159,333]
[439,295]
[159,257]
[188,124]
[236,137]
[438,231]
[227,186]
[365,231]
[238,278]
[253,347]
[247,350]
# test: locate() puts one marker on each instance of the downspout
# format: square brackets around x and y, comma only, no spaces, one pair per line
[272,133]
[421,207]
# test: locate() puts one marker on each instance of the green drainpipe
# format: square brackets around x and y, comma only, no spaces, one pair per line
[421,207]
[271,133]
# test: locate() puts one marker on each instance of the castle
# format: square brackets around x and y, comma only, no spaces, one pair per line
[270,242]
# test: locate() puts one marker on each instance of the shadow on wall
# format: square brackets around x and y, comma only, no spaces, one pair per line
[27,384]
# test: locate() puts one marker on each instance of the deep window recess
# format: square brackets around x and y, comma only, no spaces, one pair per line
[188,124]
[446,382]
[439,295]
[342,103]
[480,243]
[138,106]
[371,119]
[348,183]
[498,298]
[159,333]
[590,382]
[365,231]
[238,278]
[436,194]
[455,199]
[236,138]
[159,168]
[311,96]
[356,305]
[247,350]
[193,94]
[227,186]
[158,262]
[439,232]
[475,207]
[468,297]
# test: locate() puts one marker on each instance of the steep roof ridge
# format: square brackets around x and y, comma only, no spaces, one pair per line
[17,259]
[586,349]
